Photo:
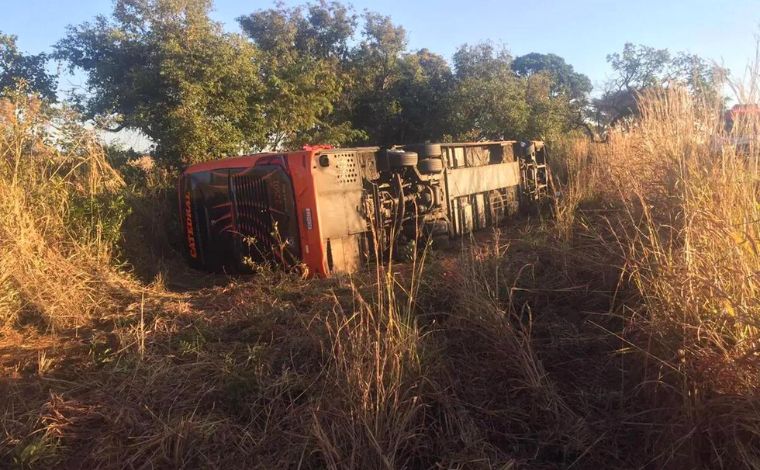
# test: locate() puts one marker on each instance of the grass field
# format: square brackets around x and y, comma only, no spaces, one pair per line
[618,331]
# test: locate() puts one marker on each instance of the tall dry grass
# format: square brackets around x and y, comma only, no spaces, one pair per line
[684,215]
[573,180]
[372,414]
[59,218]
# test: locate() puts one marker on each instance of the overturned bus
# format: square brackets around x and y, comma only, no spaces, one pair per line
[332,210]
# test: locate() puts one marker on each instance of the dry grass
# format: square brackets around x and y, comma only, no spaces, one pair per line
[621,334]
[55,267]
[693,255]
[685,218]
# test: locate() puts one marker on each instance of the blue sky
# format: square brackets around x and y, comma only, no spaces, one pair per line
[581,31]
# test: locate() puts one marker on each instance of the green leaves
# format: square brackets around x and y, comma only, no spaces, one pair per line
[300,75]
[638,68]
[166,69]
[301,62]
[16,67]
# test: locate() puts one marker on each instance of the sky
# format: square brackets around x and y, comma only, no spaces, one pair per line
[581,31]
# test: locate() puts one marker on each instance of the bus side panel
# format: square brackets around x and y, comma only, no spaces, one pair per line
[482,185]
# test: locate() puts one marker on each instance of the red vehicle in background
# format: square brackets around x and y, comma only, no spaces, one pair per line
[742,123]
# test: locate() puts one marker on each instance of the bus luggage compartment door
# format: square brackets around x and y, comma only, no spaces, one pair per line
[481,196]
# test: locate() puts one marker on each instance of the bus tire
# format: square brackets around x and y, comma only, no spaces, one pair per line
[430,166]
[400,159]
[429,150]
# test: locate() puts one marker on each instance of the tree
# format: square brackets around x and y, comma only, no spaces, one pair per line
[697,74]
[640,67]
[489,100]
[163,67]
[636,68]
[374,65]
[535,96]
[301,75]
[549,115]
[558,95]
[564,79]
[302,59]
[16,67]
[423,92]
[328,91]
[393,95]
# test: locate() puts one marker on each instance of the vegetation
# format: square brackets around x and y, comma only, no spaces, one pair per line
[620,331]
[62,216]
[311,74]
[16,67]
[641,68]
[164,68]
[304,75]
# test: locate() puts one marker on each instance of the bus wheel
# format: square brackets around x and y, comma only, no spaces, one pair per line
[430,166]
[429,150]
[400,159]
